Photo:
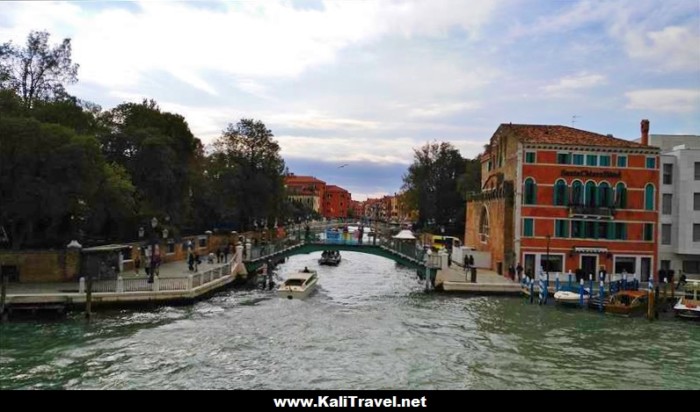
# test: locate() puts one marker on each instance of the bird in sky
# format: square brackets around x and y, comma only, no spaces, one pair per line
[343,165]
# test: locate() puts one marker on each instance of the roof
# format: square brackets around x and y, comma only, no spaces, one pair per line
[554,134]
[105,248]
[405,234]
[302,179]
[334,188]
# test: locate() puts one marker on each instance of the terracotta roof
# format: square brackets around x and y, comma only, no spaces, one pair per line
[535,133]
[334,188]
[302,179]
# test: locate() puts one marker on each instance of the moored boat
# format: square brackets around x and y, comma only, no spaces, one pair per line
[688,306]
[627,302]
[572,296]
[298,285]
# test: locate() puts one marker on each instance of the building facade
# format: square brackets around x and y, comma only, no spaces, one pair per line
[679,214]
[306,190]
[337,202]
[556,198]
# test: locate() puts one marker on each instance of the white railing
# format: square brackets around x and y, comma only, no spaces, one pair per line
[125,285]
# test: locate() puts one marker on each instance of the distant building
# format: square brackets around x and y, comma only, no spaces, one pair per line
[337,202]
[559,198]
[307,190]
[679,214]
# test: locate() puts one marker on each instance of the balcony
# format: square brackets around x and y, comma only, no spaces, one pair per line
[591,212]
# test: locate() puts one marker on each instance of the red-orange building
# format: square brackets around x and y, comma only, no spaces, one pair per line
[560,199]
[306,189]
[336,203]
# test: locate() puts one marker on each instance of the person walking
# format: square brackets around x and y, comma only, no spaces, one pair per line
[519,271]
[137,261]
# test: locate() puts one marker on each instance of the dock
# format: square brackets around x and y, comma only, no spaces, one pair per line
[453,279]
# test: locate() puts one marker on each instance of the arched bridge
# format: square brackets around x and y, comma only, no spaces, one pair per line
[401,252]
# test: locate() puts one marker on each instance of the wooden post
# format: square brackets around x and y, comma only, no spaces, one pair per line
[3,291]
[650,307]
[580,294]
[601,293]
[88,297]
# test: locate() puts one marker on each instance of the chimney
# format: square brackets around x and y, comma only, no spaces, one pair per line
[645,132]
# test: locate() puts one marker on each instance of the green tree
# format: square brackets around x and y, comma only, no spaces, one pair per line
[431,187]
[50,178]
[247,162]
[37,71]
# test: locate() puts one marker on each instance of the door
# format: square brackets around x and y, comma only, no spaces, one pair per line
[529,265]
[589,265]
[646,268]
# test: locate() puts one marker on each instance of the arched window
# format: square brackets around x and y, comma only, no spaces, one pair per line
[649,197]
[590,194]
[530,192]
[620,196]
[560,189]
[604,197]
[484,225]
[577,193]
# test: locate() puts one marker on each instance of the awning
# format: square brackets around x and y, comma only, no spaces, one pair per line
[590,249]
[405,235]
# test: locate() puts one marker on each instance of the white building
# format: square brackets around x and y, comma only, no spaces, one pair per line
[679,214]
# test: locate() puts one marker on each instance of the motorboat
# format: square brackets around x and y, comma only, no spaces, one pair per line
[298,285]
[572,296]
[627,302]
[330,258]
[688,306]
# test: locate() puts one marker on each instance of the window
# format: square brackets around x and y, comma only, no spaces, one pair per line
[126,254]
[489,165]
[697,170]
[621,231]
[563,158]
[696,232]
[651,163]
[668,174]
[604,195]
[171,247]
[591,229]
[605,160]
[560,190]
[578,159]
[577,193]
[649,197]
[202,242]
[666,204]
[591,160]
[696,201]
[666,265]
[530,157]
[625,264]
[648,232]
[577,229]
[530,192]
[691,266]
[528,227]
[621,161]
[590,194]
[666,234]
[602,230]
[484,224]
[561,228]
[552,263]
[620,196]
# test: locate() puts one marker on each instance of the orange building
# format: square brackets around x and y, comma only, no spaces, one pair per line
[306,189]
[558,199]
[337,202]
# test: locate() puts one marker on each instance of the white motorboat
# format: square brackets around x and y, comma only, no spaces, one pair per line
[299,285]
[572,297]
[689,305]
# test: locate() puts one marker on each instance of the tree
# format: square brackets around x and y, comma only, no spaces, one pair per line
[248,162]
[38,71]
[431,186]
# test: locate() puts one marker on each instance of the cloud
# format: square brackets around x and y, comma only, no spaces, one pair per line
[673,48]
[574,82]
[664,100]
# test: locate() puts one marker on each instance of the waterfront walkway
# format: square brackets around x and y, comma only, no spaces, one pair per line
[453,279]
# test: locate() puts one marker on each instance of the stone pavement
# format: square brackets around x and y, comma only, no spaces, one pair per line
[454,279]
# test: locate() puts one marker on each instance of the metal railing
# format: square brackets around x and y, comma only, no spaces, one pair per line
[578,210]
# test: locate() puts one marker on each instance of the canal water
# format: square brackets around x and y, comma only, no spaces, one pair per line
[370,325]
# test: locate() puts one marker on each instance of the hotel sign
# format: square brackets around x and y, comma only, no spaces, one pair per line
[590,173]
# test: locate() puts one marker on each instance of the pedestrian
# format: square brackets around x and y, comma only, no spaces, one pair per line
[137,261]
[511,272]
[190,260]
[682,280]
[449,258]
[227,251]
[196,262]
[471,261]
[147,262]
[519,271]
[602,273]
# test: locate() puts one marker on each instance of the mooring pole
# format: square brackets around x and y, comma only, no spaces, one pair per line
[88,298]
[3,291]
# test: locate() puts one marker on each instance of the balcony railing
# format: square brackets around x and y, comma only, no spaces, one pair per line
[598,212]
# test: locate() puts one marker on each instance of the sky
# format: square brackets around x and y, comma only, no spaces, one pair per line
[364,83]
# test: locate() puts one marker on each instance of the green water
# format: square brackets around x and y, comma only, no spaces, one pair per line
[369,326]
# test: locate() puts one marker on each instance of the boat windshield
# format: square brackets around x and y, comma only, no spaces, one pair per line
[294,282]
[310,279]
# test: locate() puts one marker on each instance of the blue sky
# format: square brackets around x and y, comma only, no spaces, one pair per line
[365,82]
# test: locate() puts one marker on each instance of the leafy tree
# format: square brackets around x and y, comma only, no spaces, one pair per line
[247,162]
[37,71]
[431,187]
